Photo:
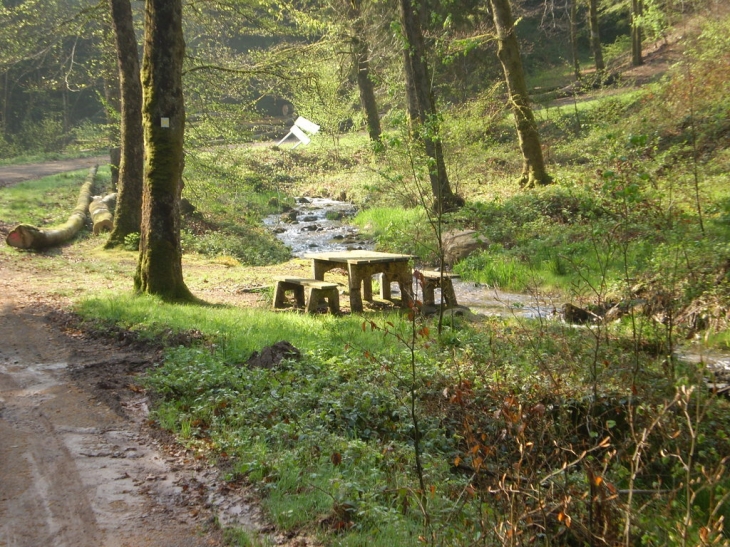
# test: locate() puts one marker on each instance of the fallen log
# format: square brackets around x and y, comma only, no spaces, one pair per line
[102,218]
[25,236]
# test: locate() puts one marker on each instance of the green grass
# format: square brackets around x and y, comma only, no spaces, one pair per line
[329,438]
[238,332]
[46,202]
[399,230]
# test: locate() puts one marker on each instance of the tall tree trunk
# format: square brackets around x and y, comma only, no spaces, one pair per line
[595,37]
[508,51]
[574,38]
[128,213]
[360,55]
[417,69]
[159,270]
[112,95]
[637,9]
[411,98]
[361,63]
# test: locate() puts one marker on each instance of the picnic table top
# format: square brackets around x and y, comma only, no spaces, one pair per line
[358,257]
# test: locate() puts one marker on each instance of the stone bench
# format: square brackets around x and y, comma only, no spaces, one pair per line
[316,293]
[432,280]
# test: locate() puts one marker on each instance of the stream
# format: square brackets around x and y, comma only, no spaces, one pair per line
[320,225]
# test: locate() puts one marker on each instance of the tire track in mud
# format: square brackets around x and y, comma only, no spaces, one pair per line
[73,472]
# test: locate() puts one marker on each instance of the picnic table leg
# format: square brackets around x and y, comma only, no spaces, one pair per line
[355,283]
[319,267]
[367,287]
[405,284]
[428,292]
[385,286]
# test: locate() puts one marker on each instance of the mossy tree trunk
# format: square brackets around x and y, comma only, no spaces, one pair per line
[418,82]
[113,107]
[128,213]
[595,38]
[508,51]
[411,100]
[159,270]
[361,60]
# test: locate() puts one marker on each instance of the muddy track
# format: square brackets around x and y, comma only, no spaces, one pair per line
[80,465]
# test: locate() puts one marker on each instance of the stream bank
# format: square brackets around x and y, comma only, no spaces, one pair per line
[321,224]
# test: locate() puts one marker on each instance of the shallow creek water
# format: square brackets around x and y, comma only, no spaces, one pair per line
[317,225]
[320,225]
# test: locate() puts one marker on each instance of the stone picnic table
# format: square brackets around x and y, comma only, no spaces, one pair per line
[361,266]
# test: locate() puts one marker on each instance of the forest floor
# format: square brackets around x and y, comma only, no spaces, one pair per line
[79,463]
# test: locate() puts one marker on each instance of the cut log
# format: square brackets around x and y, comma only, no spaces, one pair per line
[25,236]
[102,218]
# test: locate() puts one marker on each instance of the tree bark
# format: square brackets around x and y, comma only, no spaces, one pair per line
[637,9]
[102,219]
[361,63]
[508,51]
[360,55]
[25,236]
[128,214]
[574,38]
[411,98]
[427,114]
[595,37]
[159,270]
[112,94]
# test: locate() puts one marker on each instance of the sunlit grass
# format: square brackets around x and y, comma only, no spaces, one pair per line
[400,230]
[239,331]
[45,201]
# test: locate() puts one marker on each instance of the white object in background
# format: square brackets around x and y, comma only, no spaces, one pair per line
[298,130]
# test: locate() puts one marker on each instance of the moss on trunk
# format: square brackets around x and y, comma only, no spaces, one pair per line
[159,270]
[418,83]
[533,165]
[128,214]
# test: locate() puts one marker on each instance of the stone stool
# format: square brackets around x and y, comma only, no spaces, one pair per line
[433,280]
[316,293]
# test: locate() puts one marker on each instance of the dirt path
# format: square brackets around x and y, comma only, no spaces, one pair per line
[13,174]
[78,464]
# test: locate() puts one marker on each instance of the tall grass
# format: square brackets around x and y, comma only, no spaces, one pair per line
[399,230]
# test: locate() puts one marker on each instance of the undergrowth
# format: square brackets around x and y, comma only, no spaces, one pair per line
[525,434]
